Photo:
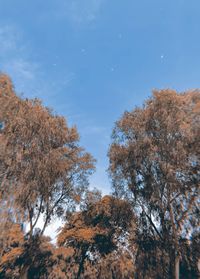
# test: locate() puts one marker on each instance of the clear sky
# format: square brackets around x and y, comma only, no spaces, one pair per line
[90,60]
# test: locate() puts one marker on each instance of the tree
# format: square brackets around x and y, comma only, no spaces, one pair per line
[155,164]
[24,258]
[43,170]
[101,237]
[11,249]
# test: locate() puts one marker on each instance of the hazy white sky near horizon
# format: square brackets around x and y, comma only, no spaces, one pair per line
[92,59]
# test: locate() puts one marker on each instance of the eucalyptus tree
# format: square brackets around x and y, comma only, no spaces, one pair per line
[43,170]
[101,239]
[155,164]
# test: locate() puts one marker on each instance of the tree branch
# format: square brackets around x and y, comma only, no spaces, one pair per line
[152,223]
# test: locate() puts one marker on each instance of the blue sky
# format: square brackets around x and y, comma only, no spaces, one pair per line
[90,60]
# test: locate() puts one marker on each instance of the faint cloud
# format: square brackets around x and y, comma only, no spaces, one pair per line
[79,11]
[87,10]
[25,75]
[17,60]
[9,37]
[14,52]
[21,68]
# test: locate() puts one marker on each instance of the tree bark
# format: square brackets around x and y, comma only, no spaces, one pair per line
[30,211]
[24,272]
[81,264]
[177,267]
[176,242]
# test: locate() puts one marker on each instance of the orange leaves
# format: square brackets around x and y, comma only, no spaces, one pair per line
[197,108]
[11,235]
[77,198]
[6,87]
[155,137]
[154,162]
[11,256]
[15,235]
[42,152]
[64,252]
[78,231]
[80,234]
[104,218]
[11,246]
[97,236]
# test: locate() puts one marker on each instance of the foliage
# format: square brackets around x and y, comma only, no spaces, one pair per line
[100,233]
[42,168]
[155,164]
[149,228]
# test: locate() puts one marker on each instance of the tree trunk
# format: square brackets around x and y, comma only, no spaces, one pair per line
[177,267]
[176,239]
[81,264]
[24,273]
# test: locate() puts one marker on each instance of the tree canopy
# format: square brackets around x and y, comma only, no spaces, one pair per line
[103,231]
[155,164]
[148,228]
[43,169]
